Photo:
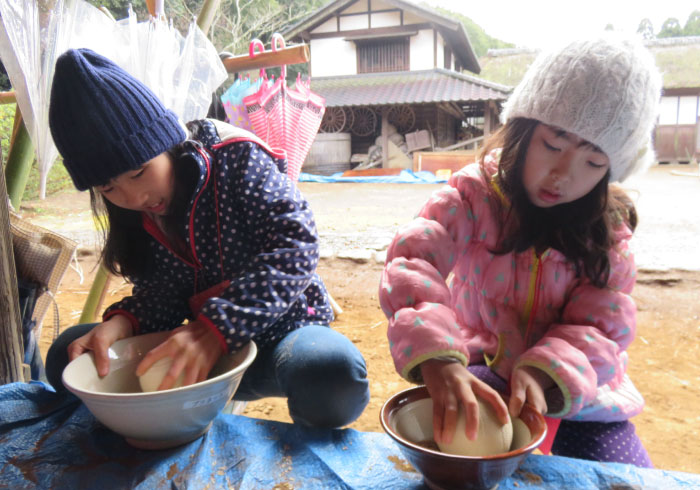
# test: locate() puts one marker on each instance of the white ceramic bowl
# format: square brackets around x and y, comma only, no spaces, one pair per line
[159,419]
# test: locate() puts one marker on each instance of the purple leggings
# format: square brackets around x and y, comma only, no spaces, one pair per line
[614,442]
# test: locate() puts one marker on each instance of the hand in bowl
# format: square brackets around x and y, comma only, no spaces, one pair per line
[100,339]
[528,384]
[194,349]
[451,384]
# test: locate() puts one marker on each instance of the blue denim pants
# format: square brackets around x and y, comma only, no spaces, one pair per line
[320,372]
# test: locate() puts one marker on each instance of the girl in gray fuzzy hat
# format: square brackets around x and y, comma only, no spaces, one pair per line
[536,242]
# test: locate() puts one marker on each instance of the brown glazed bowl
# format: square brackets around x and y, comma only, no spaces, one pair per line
[408,419]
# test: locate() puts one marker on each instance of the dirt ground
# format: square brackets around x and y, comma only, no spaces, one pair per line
[356,221]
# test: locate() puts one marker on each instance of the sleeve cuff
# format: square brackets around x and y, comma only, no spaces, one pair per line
[222,341]
[129,316]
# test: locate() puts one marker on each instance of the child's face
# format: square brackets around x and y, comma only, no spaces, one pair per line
[560,167]
[148,188]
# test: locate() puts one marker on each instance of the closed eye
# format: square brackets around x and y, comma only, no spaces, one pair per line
[595,165]
[550,147]
[139,173]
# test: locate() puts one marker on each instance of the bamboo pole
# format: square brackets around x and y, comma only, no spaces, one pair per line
[206,14]
[19,162]
[286,56]
[11,345]
[95,296]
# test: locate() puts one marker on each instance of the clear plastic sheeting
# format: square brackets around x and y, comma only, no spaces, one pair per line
[183,71]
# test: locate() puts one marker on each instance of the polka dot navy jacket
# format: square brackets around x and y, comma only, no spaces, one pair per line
[253,245]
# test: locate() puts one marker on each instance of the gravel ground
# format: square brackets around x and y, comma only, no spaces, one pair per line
[358,220]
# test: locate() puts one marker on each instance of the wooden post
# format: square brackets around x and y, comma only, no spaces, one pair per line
[11,345]
[385,138]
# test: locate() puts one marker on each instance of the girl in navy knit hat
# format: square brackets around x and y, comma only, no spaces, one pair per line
[206,225]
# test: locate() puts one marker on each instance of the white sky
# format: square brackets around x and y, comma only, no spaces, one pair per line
[531,23]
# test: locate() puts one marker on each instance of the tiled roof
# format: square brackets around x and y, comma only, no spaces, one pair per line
[409,87]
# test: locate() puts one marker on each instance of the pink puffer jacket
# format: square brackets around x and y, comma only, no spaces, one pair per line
[510,310]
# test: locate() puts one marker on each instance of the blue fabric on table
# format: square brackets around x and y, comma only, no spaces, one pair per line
[405,177]
[51,440]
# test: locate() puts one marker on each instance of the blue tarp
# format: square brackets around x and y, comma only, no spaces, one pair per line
[52,441]
[405,177]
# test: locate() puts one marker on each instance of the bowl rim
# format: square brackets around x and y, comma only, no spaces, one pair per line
[248,359]
[420,393]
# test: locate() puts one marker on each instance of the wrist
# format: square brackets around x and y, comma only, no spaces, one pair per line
[123,324]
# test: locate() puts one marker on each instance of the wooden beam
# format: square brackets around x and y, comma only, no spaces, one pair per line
[8,97]
[470,141]
[286,56]
[456,113]
[395,30]
[11,345]
[435,48]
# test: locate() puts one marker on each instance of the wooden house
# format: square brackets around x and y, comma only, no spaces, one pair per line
[392,62]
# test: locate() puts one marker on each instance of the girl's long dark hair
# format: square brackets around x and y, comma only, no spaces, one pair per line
[125,240]
[582,230]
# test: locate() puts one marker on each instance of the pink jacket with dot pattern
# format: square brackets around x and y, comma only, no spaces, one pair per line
[509,310]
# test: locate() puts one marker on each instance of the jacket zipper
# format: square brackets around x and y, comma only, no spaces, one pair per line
[527,318]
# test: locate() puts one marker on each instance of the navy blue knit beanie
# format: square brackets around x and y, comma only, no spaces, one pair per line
[104,121]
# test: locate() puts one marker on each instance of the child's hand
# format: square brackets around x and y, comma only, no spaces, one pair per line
[528,384]
[194,349]
[451,384]
[99,339]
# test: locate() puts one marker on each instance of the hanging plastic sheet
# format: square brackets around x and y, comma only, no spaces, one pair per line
[32,35]
[182,71]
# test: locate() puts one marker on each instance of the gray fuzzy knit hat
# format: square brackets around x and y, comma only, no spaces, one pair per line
[604,90]
[104,121]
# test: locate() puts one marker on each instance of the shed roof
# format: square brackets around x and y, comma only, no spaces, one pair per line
[406,87]
[451,30]
[678,59]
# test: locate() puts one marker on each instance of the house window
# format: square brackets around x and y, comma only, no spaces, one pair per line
[381,55]
[675,110]
[448,58]
[688,109]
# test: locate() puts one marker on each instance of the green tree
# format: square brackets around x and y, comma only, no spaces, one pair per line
[120,8]
[480,41]
[646,29]
[692,25]
[670,28]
